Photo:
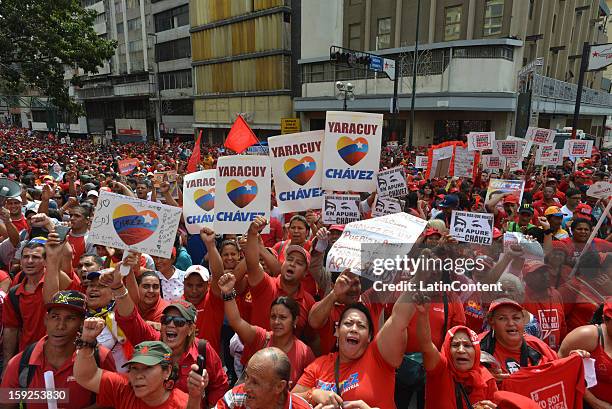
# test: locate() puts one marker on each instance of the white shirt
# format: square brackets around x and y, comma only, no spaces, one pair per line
[172,288]
[567,212]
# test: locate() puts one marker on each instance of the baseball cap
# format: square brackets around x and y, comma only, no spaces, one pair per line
[553,211]
[199,270]
[511,199]
[338,227]
[185,308]
[18,198]
[551,180]
[93,193]
[532,266]
[449,201]
[39,240]
[299,249]
[511,400]
[72,300]
[580,174]
[607,311]
[526,208]
[150,353]
[583,209]
[431,232]
[501,302]
[559,245]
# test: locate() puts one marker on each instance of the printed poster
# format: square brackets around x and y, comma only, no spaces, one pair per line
[540,135]
[480,141]
[508,149]
[297,167]
[127,166]
[499,186]
[556,158]
[199,200]
[421,162]
[544,154]
[351,151]
[470,227]
[129,223]
[386,205]
[578,148]
[525,144]
[493,162]
[242,192]
[392,182]
[340,209]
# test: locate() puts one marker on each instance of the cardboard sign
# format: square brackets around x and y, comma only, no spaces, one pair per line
[362,242]
[525,145]
[127,166]
[463,165]
[493,162]
[508,149]
[600,190]
[440,162]
[340,209]
[392,182]
[479,141]
[544,153]
[469,227]
[556,158]
[199,200]
[578,148]
[540,135]
[499,186]
[351,151]
[130,223]
[421,162]
[386,205]
[242,192]
[297,166]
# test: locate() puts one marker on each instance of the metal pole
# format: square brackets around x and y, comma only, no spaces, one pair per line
[345,95]
[583,67]
[414,74]
[398,72]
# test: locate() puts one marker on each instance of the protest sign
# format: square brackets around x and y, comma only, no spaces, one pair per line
[479,141]
[351,151]
[556,158]
[130,223]
[463,162]
[500,186]
[127,166]
[600,190]
[508,149]
[297,167]
[386,205]
[514,165]
[362,242]
[544,153]
[472,227]
[242,192]
[525,145]
[199,200]
[540,135]
[392,182]
[493,162]
[158,178]
[340,209]
[421,162]
[578,148]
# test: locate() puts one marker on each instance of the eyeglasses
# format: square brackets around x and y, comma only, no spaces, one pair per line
[178,321]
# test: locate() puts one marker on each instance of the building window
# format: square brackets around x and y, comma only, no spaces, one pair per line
[175,79]
[169,19]
[173,50]
[531,9]
[118,7]
[134,24]
[452,23]
[134,46]
[354,2]
[554,23]
[384,33]
[119,28]
[178,107]
[355,36]
[132,4]
[100,18]
[493,18]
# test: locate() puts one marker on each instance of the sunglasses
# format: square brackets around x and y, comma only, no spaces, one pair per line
[178,321]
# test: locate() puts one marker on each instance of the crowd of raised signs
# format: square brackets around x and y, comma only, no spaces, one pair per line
[272,325]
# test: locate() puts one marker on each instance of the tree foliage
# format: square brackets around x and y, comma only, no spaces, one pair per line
[39,38]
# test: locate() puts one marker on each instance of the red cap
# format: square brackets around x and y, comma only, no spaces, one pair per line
[413,187]
[531,266]
[580,174]
[583,209]
[588,172]
[511,400]
[562,246]
[338,227]
[497,233]
[431,232]
[501,302]
[511,199]
[422,182]
[607,311]
[295,248]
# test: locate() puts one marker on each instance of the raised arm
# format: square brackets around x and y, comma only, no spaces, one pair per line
[269,260]
[11,230]
[393,336]
[431,355]
[251,252]
[215,264]
[245,331]
[320,312]
[86,370]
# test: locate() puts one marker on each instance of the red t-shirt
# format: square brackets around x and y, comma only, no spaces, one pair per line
[78,247]
[308,282]
[510,360]
[603,370]
[268,289]
[556,384]
[210,320]
[475,313]
[236,399]
[21,224]
[580,302]
[600,245]
[440,388]
[116,391]
[369,378]
[541,205]
[550,314]
[300,355]
[79,397]
[154,313]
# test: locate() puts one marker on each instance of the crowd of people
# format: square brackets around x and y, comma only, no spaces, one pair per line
[257,321]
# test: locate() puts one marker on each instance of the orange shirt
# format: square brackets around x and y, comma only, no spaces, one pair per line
[116,391]
[369,378]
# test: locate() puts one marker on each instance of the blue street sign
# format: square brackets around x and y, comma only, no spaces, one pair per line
[376,63]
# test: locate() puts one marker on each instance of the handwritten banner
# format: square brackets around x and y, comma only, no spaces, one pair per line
[463,165]
[600,190]
[340,209]
[199,200]
[127,166]
[242,192]
[297,166]
[392,182]
[351,151]
[479,141]
[544,153]
[129,223]
[540,135]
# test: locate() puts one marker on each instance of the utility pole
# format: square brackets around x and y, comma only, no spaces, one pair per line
[584,63]
[159,98]
[414,74]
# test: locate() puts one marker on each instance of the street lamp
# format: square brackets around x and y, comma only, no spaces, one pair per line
[345,91]
[159,100]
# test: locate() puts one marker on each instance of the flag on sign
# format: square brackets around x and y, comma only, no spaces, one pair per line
[240,136]
[194,160]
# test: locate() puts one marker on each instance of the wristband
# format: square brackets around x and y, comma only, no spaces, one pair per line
[122,295]
[549,231]
[80,344]
[118,288]
[230,296]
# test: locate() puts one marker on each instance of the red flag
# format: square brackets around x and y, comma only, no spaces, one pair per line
[194,160]
[240,136]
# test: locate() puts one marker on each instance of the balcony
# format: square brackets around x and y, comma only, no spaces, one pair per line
[550,88]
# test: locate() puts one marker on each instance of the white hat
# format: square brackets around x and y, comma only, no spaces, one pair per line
[198,269]
[93,193]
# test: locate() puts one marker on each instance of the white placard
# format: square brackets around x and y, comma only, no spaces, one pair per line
[351,153]
[243,188]
[578,148]
[540,135]
[463,164]
[340,209]
[556,158]
[479,141]
[544,153]
[199,200]
[297,167]
[525,145]
[469,227]
[514,165]
[421,162]
[392,182]
[129,223]
[493,162]
[600,190]
[386,205]
[508,149]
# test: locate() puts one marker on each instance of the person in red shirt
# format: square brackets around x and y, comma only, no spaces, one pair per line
[507,341]
[283,317]
[510,204]
[79,227]
[150,303]
[558,194]
[13,204]
[558,259]
[148,382]
[547,200]
[581,231]
[266,386]
[55,352]
[455,366]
